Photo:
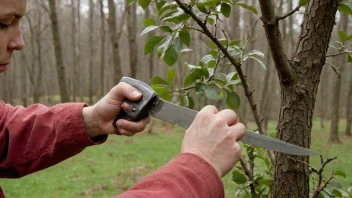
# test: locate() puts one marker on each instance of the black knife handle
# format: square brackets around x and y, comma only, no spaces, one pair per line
[139,109]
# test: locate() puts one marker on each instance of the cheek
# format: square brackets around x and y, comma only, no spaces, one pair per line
[3,43]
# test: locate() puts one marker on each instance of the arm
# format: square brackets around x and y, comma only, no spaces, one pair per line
[187,175]
[37,137]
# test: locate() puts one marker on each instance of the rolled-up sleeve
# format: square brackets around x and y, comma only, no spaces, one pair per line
[37,137]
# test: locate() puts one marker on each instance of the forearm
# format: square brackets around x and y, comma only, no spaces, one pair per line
[187,175]
[37,137]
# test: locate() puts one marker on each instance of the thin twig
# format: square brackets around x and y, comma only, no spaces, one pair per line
[237,65]
[332,55]
[249,175]
[289,13]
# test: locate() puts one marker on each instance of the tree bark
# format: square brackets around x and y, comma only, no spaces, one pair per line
[114,42]
[349,109]
[102,48]
[75,80]
[91,50]
[299,80]
[132,26]
[58,53]
[323,97]
[335,115]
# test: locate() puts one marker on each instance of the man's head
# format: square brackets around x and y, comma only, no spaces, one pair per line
[11,12]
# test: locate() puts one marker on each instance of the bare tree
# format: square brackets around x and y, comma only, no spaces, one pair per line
[102,48]
[58,52]
[340,61]
[348,108]
[132,34]
[91,50]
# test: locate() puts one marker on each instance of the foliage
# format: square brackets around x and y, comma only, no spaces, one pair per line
[207,77]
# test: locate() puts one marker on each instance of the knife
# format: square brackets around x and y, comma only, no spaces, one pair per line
[151,104]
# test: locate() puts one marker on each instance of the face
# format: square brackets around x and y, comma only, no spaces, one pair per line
[11,12]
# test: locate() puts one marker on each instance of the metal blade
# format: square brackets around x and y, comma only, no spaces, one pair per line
[184,117]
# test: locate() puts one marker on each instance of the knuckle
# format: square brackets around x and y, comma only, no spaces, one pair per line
[237,149]
[219,122]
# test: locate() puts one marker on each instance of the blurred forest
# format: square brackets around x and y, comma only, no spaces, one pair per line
[76,50]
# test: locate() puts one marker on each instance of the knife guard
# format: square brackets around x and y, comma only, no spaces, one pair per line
[139,109]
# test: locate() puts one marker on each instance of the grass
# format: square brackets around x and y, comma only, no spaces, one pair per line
[111,168]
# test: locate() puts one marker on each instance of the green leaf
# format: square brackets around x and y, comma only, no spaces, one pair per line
[130,2]
[184,101]
[160,5]
[238,177]
[248,7]
[185,37]
[337,193]
[191,102]
[230,76]
[349,57]
[266,182]
[163,91]
[151,44]
[340,173]
[148,29]
[171,55]
[170,75]
[148,22]
[259,61]
[235,42]
[201,6]
[302,2]
[193,76]
[256,53]
[166,28]
[157,80]
[342,35]
[144,3]
[232,99]
[345,9]
[225,9]
[349,37]
[212,91]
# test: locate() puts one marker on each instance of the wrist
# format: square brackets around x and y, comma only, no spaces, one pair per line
[90,123]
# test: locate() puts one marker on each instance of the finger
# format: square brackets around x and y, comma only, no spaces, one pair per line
[132,126]
[239,131]
[210,109]
[127,133]
[229,116]
[123,90]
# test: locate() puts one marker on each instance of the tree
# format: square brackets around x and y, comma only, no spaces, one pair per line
[339,62]
[58,52]
[102,48]
[114,38]
[91,41]
[132,36]
[299,76]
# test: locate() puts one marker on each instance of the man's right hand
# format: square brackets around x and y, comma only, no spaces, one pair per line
[213,136]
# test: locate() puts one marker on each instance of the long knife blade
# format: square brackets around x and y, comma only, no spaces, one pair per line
[184,117]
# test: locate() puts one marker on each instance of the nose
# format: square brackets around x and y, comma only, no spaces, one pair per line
[16,40]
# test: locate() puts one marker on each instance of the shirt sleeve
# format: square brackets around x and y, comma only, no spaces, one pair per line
[186,176]
[37,137]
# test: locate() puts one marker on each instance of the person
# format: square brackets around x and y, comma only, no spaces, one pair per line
[37,137]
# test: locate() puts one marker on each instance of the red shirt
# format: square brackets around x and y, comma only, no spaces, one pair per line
[37,137]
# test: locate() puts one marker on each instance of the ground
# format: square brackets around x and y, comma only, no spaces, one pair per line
[111,168]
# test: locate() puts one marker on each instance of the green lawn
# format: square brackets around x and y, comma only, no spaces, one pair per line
[111,168]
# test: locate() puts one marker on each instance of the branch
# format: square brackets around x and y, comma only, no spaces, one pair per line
[332,55]
[249,175]
[238,67]
[289,13]
[319,172]
[272,30]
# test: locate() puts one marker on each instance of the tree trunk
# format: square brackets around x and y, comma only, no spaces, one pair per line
[151,55]
[323,97]
[335,115]
[132,26]
[299,80]
[58,53]
[114,42]
[349,108]
[75,80]
[266,91]
[91,50]
[102,48]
